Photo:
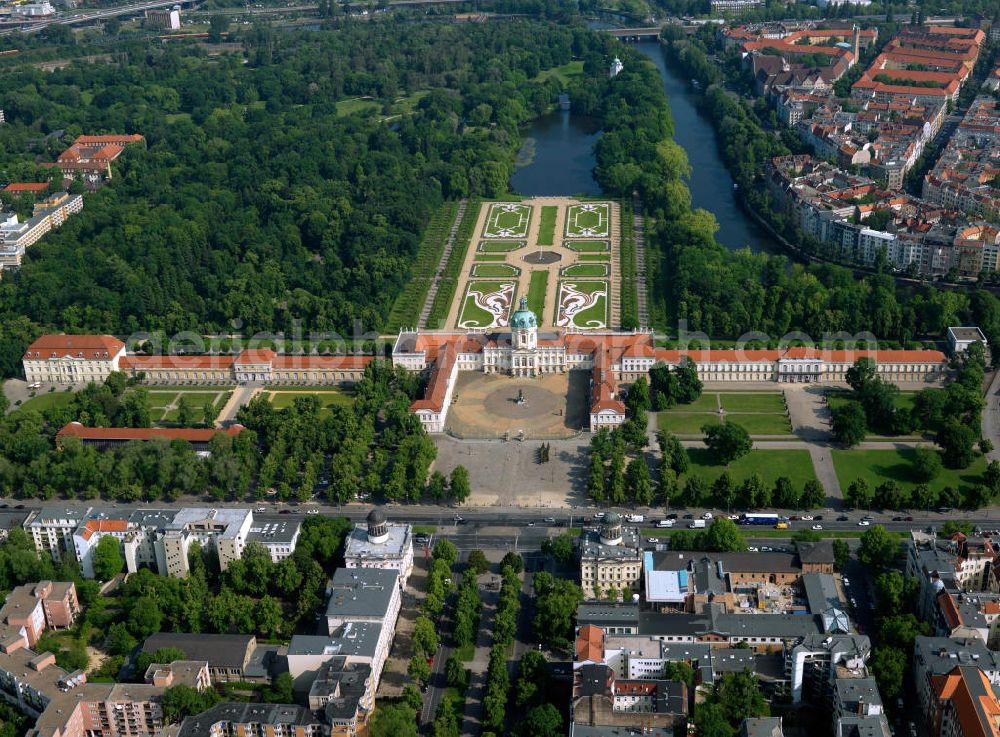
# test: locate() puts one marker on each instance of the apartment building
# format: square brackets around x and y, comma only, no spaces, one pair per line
[72,359]
[191,673]
[342,695]
[839,211]
[258,720]
[16,237]
[161,538]
[934,657]
[34,608]
[959,564]
[966,705]
[965,175]
[227,657]
[381,544]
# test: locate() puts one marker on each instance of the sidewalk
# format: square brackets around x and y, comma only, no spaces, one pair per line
[473,717]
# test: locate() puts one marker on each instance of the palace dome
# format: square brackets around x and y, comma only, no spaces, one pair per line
[523,317]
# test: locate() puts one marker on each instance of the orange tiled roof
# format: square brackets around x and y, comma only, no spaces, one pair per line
[949,610]
[971,695]
[91,347]
[590,644]
[26,187]
[103,525]
[76,430]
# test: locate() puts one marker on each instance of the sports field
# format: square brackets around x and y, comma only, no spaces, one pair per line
[583,304]
[486,304]
[590,220]
[507,220]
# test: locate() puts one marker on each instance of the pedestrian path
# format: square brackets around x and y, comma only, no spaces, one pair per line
[473,717]
[448,246]
[638,230]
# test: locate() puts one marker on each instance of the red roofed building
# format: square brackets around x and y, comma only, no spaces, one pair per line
[72,359]
[590,644]
[966,704]
[110,437]
[33,187]
[89,158]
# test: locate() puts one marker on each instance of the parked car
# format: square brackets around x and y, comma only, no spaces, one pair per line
[734,517]
[313,511]
[259,509]
[753,550]
[652,540]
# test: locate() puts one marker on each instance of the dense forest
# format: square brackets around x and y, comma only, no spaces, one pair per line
[256,200]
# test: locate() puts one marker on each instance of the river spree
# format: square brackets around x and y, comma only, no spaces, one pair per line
[710,183]
[557,157]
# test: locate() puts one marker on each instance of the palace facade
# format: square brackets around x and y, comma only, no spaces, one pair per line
[611,357]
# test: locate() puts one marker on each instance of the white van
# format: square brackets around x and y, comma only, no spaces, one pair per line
[665,523]
[697,524]
[635,518]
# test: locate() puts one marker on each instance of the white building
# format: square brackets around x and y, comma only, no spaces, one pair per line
[382,545]
[51,529]
[960,338]
[223,530]
[72,359]
[610,560]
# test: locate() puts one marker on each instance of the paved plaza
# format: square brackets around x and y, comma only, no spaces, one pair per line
[485,406]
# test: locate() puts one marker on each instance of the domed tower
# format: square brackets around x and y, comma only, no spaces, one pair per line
[611,530]
[378,532]
[524,327]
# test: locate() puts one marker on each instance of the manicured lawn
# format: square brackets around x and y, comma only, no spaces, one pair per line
[590,220]
[357,105]
[594,257]
[536,291]
[494,270]
[489,257]
[588,246]
[903,400]
[768,464]
[578,270]
[878,466]
[547,225]
[563,73]
[759,402]
[46,400]
[762,424]
[507,220]
[481,295]
[283,398]
[689,424]
[595,312]
[705,403]
[499,246]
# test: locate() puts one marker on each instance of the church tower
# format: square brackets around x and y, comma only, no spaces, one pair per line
[524,328]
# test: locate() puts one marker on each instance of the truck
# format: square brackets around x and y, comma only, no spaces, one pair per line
[635,518]
[697,524]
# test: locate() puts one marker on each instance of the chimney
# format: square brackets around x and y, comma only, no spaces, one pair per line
[861,706]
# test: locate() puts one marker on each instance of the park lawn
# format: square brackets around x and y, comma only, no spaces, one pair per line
[903,400]
[499,246]
[547,225]
[768,464]
[878,466]
[357,105]
[588,246]
[758,402]
[494,257]
[707,402]
[465,653]
[762,424]
[594,317]
[578,270]
[689,424]
[594,257]
[284,398]
[494,270]
[46,400]
[536,291]
[562,73]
